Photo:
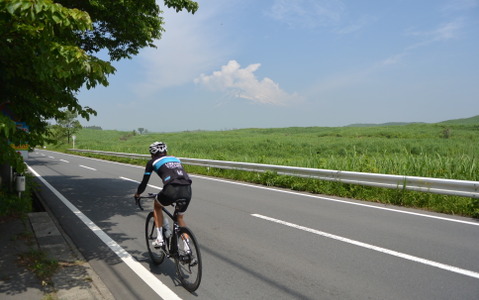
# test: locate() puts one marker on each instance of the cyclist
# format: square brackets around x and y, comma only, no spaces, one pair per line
[176,185]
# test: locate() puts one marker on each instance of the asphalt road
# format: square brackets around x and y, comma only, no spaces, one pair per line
[259,242]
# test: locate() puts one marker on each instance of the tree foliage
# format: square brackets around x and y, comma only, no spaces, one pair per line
[66,127]
[7,154]
[48,52]
[123,27]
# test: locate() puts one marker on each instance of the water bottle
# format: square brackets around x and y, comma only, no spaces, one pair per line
[166,228]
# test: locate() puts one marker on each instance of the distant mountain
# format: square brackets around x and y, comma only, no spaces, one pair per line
[465,121]
[382,124]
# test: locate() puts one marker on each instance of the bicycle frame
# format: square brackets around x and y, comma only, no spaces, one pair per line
[187,258]
[171,242]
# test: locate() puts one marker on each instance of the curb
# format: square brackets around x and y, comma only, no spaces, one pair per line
[75,278]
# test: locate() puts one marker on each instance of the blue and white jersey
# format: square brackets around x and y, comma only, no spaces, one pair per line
[169,169]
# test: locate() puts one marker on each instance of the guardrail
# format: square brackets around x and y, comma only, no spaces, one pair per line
[452,187]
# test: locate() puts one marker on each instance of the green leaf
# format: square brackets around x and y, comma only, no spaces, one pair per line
[57,18]
[13,6]
[38,7]
[25,5]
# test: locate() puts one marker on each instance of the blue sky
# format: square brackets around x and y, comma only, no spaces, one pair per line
[278,63]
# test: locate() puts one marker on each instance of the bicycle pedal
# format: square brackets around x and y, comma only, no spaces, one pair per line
[193,262]
[184,258]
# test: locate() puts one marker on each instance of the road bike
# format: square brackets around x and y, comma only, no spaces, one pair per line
[181,245]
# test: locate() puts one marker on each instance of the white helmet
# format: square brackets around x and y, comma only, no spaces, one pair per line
[157,147]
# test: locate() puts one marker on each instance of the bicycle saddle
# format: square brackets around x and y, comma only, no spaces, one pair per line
[180,203]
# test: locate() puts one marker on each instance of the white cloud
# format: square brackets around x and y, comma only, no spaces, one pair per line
[307,13]
[459,5]
[356,25]
[242,83]
[188,46]
[392,60]
[443,32]
[447,31]
[312,14]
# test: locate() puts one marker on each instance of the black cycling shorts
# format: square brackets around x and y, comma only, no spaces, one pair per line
[172,192]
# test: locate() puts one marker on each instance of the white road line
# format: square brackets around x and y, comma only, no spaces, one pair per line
[89,168]
[65,161]
[96,159]
[133,180]
[128,179]
[304,195]
[339,201]
[152,281]
[375,248]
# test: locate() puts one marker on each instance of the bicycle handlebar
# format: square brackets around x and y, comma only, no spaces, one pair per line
[175,204]
[138,199]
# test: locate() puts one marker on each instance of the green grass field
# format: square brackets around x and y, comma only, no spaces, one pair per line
[442,150]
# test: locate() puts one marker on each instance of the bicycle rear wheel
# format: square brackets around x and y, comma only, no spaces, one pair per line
[157,255]
[188,261]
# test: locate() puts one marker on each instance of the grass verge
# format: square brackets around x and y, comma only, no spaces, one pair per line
[14,204]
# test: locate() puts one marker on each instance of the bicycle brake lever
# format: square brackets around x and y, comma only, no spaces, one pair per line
[138,202]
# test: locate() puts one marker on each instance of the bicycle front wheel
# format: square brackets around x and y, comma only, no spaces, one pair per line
[157,255]
[188,261]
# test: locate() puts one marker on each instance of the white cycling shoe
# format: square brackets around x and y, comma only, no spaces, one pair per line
[157,244]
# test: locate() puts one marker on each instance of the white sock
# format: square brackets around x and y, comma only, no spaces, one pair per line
[160,234]
[185,245]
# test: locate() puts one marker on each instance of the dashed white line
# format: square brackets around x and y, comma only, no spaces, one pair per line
[474,223]
[132,180]
[89,168]
[375,248]
[305,195]
[128,179]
